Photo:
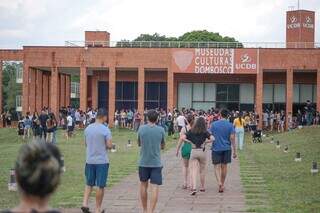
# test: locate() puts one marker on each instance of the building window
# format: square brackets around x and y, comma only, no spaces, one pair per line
[155,95]
[302,93]
[211,95]
[126,95]
[75,90]
[19,103]
[274,97]
[228,96]
[19,74]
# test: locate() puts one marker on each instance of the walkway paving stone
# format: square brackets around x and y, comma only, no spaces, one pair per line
[123,197]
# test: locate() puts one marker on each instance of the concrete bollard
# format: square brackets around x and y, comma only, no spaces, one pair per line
[12,184]
[298,157]
[314,168]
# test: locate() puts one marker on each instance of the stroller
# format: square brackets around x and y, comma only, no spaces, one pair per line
[256,134]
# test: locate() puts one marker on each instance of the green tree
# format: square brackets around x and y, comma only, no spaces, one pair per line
[196,38]
[9,84]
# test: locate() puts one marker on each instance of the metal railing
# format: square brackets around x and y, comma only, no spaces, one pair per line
[184,44]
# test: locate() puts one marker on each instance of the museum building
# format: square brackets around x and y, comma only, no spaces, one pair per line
[200,75]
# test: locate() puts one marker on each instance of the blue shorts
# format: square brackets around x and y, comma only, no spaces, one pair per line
[221,157]
[154,174]
[96,174]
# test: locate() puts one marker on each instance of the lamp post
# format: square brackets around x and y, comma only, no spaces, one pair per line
[12,185]
[129,144]
[272,141]
[314,168]
[113,149]
[298,157]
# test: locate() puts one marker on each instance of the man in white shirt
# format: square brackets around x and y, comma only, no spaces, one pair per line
[77,117]
[69,125]
[181,122]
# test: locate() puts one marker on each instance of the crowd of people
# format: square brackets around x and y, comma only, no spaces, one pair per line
[218,130]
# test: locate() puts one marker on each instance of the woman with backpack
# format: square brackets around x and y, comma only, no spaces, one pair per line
[185,152]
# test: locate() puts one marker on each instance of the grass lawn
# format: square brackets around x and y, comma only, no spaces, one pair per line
[273,181]
[70,191]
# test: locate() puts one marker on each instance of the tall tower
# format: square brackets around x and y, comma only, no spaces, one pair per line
[300,29]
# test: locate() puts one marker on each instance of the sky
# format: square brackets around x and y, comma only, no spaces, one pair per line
[52,22]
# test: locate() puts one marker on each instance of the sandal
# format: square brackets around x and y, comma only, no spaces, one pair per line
[184,187]
[193,192]
[85,209]
[221,189]
[203,190]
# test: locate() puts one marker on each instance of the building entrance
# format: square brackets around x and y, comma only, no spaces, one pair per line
[103,94]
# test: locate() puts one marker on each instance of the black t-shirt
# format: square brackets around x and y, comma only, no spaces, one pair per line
[43,120]
[198,139]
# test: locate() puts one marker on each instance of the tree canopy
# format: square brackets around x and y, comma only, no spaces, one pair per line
[196,36]
[9,84]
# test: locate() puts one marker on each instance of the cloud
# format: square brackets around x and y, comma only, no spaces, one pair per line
[47,22]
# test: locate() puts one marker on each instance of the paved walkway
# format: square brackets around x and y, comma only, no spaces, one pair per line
[123,197]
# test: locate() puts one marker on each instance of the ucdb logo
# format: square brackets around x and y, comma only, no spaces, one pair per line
[308,23]
[246,63]
[245,58]
[293,23]
[293,19]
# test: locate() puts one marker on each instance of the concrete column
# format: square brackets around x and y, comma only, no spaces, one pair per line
[112,95]
[62,90]
[45,90]
[83,88]
[175,91]
[141,82]
[54,90]
[259,96]
[39,91]
[318,90]
[1,70]
[94,91]
[170,90]
[32,90]
[289,94]
[25,88]
[68,89]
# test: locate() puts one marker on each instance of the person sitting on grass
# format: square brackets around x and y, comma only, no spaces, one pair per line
[151,140]
[38,170]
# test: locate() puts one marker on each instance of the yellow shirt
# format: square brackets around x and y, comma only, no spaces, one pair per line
[237,123]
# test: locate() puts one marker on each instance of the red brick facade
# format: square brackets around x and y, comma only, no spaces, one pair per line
[46,71]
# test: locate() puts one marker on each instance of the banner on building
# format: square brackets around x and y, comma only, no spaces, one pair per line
[215,61]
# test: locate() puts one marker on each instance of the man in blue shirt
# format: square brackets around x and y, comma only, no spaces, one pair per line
[97,141]
[222,147]
[151,140]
